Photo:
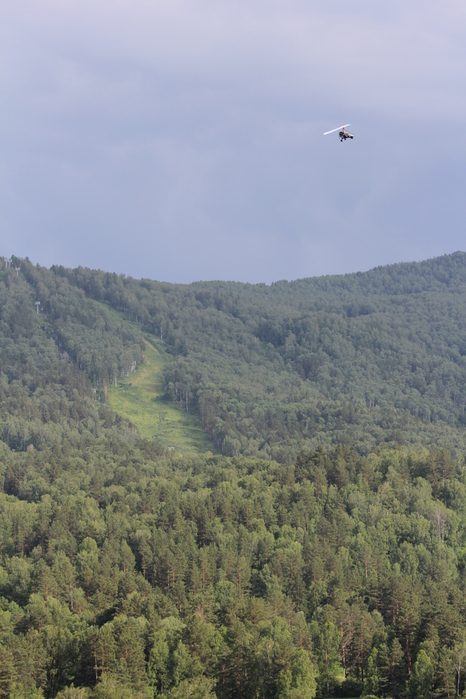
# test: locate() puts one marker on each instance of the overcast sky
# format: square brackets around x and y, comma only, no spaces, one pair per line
[182,139]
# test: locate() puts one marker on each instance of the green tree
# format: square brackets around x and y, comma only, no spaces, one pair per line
[422,678]
[195,688]
[298,682]
[371,675]
[87,564]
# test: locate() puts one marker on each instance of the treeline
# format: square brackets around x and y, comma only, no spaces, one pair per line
[128,572]
[55,365]
[360,359]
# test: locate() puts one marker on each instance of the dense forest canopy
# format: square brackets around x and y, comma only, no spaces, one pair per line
[360,359]
[319,551]
[142,574]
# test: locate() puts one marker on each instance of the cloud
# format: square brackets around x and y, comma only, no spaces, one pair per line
[183,140]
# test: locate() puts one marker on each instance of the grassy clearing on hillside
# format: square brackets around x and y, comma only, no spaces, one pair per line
[139,399]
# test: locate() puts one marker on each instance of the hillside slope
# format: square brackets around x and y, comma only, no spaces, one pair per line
[64,368]
[360,359]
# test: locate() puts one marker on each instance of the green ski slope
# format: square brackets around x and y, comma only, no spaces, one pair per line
[139,398]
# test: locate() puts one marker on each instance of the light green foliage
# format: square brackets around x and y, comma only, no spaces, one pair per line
[371,676]
[140,399]
[112,689]
[73,693]
[422,679]
[298,682]
[327,641]
[169,661]
[197,688]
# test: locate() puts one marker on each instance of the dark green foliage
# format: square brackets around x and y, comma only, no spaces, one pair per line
[362,359]
[54,365]
[359,359]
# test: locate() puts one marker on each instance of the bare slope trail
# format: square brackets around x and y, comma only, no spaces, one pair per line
[139,398]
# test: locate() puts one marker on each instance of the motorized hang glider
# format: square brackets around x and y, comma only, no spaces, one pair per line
[343,133]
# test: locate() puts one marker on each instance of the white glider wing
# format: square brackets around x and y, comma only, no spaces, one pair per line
[339,128]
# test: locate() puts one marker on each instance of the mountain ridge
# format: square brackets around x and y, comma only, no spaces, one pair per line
[360,359]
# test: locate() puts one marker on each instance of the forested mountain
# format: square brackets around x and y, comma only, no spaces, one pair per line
[323,554]
[363,360]
[359,359]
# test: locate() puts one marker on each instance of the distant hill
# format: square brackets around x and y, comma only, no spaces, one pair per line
[358,359]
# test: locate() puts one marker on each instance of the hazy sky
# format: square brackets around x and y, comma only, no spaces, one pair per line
[182,139]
